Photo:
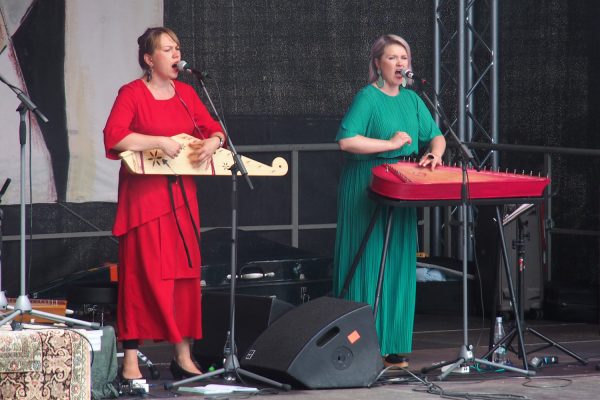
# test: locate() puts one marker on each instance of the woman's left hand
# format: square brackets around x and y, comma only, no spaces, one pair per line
[202,150]
[430,159]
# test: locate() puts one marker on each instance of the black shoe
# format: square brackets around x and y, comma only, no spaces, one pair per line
[395,360]
[124,385]
[180,373]
[121,380]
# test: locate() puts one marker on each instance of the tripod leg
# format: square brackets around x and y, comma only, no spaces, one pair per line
[360,252]
[457,364]
[262,379]
[441,364]
[558,346]
[386,241]
[505,367]
[224,371]
[511,287]
[9,317]
[171,385]
[506,339]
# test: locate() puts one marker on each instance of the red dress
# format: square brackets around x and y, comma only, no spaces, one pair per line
[159,261]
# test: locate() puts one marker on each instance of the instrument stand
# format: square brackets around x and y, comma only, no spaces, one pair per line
[23,305]
[231,370]
[465,354]
[519,246]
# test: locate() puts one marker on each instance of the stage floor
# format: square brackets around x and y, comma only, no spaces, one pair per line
[439,338]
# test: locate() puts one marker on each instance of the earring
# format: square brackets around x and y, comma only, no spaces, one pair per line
[380,81]
[148,74]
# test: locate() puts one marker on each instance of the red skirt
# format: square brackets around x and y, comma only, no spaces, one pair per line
[159,294]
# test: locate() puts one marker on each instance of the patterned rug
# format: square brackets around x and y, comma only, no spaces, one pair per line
[44,364]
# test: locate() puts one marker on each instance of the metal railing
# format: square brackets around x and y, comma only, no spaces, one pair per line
[294,226]
[547,152]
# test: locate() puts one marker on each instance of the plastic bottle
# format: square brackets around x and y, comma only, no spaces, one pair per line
[500,356]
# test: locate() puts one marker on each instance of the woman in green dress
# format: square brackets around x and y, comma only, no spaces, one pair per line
[386,121]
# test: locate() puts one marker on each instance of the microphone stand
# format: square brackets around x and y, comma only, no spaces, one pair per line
[465,354]
[23,305]
[231,367]
[3,301]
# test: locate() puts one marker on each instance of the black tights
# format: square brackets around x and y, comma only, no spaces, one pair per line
[131,344]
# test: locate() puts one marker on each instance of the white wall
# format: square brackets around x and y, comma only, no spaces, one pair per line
[100,56]
[11,14]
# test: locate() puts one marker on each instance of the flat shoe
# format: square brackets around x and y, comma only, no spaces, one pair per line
[395,360]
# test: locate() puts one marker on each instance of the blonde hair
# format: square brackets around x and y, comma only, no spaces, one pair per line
[377,51]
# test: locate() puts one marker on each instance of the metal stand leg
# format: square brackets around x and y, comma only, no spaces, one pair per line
[3,301]
[231,367]
[23,305]
[518,304]
[386,241]
[465,354]
[360,252]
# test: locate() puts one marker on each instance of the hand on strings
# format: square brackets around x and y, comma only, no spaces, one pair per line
[170,147]
[202,150]
[430,159]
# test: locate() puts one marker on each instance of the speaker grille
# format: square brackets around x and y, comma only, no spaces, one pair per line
[324,343]
[253,315]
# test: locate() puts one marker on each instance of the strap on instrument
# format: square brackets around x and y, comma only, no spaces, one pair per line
[172,179]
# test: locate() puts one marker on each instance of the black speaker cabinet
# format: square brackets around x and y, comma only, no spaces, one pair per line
[325,343]
[253,314]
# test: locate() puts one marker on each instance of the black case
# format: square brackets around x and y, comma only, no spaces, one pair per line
[264,268]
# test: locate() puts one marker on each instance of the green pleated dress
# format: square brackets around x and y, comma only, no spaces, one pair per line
[374,114]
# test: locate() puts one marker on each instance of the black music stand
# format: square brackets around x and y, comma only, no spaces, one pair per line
[231,367]
[519,246]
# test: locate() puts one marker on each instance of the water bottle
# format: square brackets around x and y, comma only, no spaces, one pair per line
[499,356]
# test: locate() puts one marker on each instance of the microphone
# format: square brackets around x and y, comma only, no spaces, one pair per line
[183,66]
[408,74]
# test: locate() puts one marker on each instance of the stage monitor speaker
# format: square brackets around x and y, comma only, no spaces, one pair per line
[325,343]
[253,314]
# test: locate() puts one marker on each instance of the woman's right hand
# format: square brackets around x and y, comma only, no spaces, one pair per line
[400,139]
[170,147]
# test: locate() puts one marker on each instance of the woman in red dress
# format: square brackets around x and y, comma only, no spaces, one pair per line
[157,220]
